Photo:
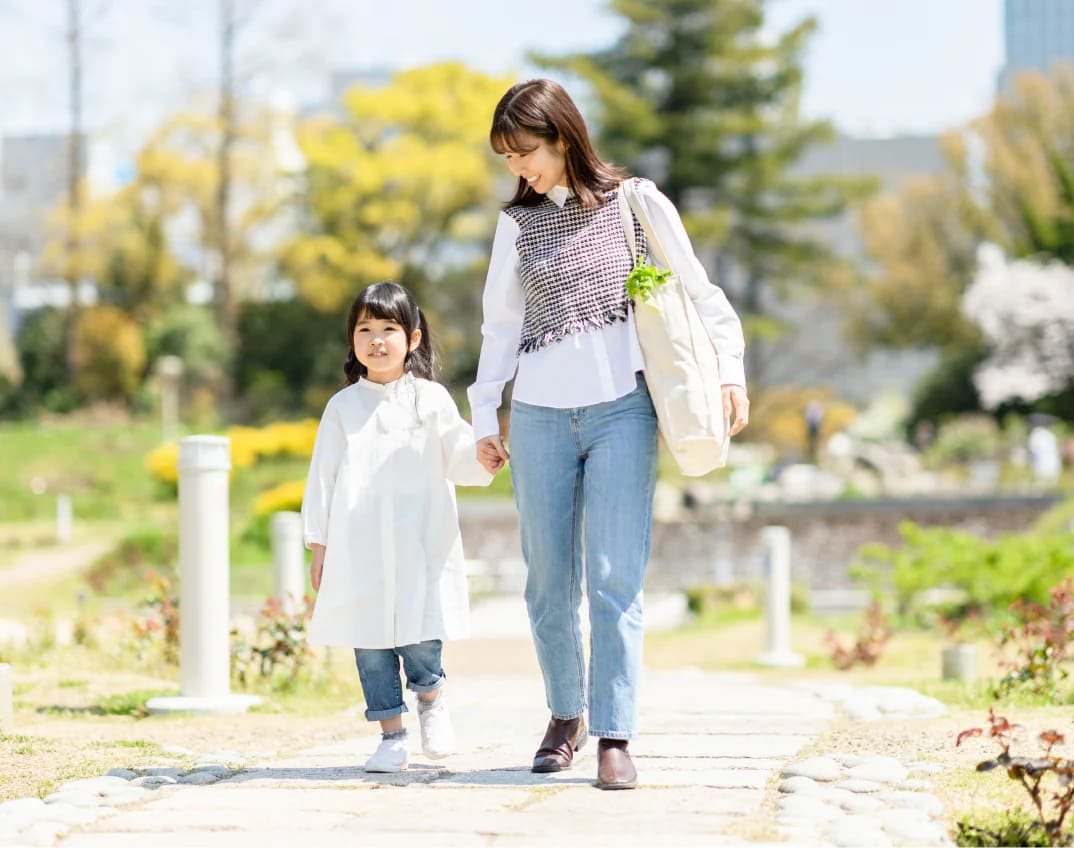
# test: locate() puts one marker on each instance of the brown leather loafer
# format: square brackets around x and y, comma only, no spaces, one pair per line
[615,769]
[562,738]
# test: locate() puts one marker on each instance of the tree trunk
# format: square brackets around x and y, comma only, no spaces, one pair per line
[72,269]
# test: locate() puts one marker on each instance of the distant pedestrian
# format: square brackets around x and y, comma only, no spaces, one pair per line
[1044,458]
[814,415]
[380,517]
[558,320]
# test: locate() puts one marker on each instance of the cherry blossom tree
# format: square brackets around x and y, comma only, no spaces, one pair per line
[1025,310]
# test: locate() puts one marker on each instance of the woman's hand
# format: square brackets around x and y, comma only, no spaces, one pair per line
[492,454]
[317,567]
[737,403]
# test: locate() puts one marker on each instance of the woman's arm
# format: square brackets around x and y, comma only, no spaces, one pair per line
[717,314]
[719,317]
[501,329]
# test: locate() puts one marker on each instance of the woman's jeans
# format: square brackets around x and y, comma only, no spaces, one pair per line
[584,480]
[378,669]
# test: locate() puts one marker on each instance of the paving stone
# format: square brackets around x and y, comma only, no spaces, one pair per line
[917,832]
[43,833]
[153,781]
[925,767]
[21,807]
[860,786]
[69,814]
[815,768]
[212,768]
[916,785]
[125,774]
[161,771]
[852,834]
[861,803]
[199,778]
[806,807]
[799,786]
[913,800]
[890,772]
[103,785]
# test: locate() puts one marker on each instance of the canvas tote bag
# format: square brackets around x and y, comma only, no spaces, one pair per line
[682,369]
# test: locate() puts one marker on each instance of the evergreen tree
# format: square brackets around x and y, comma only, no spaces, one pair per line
[694,96]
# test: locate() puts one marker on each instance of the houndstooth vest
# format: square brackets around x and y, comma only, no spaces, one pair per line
[573,264]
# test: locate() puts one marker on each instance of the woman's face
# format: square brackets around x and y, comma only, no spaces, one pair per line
[539,162]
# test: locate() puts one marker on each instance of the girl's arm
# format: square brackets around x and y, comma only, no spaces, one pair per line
[328,451]
[717,314]
[501,329]
[457,445]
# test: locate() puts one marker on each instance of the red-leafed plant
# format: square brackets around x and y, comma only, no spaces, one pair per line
[1048,779]
[873,635]
[1043,642]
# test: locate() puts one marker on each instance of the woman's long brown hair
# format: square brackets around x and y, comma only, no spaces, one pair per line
[541,108]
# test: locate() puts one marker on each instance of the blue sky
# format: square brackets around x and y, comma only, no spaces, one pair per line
[875,66]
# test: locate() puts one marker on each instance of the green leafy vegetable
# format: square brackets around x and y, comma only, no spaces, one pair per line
[643,280]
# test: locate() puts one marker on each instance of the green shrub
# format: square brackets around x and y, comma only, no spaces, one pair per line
[41,347]
[986,576]
[124,568]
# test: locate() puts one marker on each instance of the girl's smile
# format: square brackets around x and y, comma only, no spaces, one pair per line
[381,346]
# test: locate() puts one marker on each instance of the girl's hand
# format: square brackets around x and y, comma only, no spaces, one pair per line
[735,401]
[317,567]
[492,454]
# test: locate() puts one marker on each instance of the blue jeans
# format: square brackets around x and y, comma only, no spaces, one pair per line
[378,669]
[584,480]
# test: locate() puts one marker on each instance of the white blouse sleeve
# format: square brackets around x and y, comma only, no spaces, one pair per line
[457,445]
[501,329]
[328,454]
[717,314]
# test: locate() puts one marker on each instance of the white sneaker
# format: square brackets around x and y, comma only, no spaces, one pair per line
[437,734]
[390,757]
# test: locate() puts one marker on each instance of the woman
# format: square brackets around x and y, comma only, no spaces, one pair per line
[583,432]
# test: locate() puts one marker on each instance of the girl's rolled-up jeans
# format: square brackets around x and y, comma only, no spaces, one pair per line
[584,480]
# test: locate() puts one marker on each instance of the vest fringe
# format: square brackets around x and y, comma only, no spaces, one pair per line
[574,326]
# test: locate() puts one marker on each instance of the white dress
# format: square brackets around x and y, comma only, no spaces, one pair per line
[380,498]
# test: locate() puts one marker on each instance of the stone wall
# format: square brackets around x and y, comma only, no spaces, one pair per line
[719,543]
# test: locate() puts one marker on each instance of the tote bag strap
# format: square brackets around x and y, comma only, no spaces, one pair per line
[628,196]
[627,220]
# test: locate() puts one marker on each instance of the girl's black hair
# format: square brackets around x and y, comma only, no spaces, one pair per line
[391,302]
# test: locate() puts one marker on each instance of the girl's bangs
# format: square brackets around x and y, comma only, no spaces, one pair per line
[384,303]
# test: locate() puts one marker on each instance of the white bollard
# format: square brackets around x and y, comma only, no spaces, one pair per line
[7,710]
[777,558]
[204,633]
[288,559]
[64,518]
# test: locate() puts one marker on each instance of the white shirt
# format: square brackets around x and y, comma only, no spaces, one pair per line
[593,367]
[380,498]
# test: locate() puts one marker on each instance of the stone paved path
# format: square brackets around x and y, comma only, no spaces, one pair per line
[712,748]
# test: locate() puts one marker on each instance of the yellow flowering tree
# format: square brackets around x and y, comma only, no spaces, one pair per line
[402,186]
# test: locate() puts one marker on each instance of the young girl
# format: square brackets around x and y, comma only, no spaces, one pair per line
[380,517]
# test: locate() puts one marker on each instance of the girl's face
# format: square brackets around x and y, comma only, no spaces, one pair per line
[540,163]
[381,345]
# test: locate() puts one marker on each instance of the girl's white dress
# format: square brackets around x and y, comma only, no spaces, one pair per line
[381,498]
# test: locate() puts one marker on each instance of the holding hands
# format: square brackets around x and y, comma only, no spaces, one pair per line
[492,454]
